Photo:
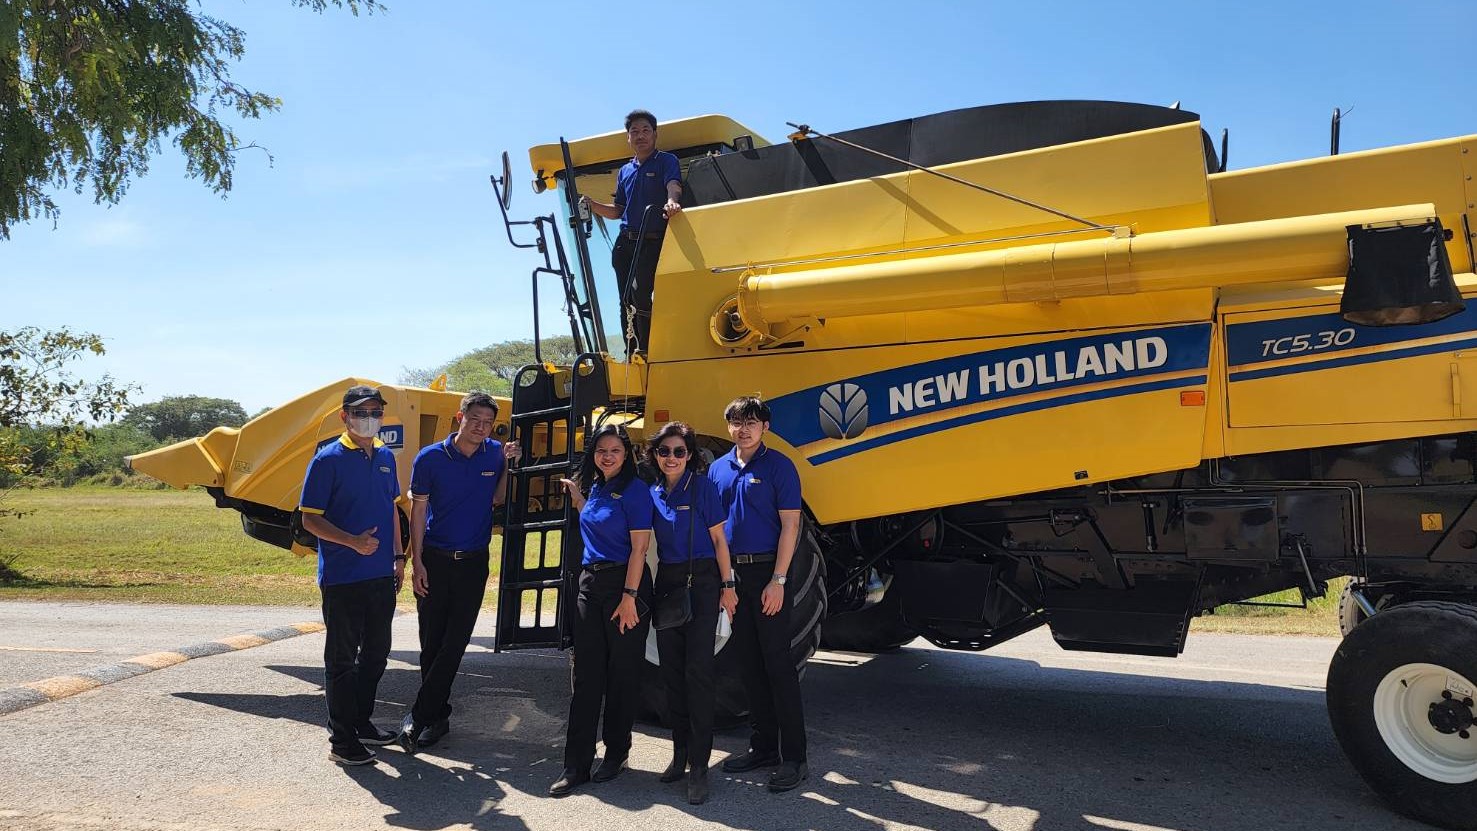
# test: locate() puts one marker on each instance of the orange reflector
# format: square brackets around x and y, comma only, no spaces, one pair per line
[1192,398]
[664,416]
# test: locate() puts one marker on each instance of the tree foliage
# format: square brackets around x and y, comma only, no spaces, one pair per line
[90,88]
[491,368]
[185,416]
[37,385]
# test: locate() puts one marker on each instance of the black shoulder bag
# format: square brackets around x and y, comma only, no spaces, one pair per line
[674,608]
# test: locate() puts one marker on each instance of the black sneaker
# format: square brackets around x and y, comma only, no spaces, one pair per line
[750,761]
[788,777]
[610,768]
[372,735]
[568,781]
[359,755]
[435,733]
[697,786]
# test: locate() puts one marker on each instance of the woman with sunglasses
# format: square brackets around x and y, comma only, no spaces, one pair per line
[692,556]
[609,630]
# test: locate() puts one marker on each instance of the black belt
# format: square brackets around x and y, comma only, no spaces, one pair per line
[603,565]
[457,555]
[635,235]
[746,559]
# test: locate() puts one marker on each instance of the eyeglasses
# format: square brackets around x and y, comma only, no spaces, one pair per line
[750,423]
[665,451]
[367,413]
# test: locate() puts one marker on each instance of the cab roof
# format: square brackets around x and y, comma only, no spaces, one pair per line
[697,131]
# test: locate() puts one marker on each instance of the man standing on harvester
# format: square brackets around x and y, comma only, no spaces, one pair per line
[646,194]
[454,485]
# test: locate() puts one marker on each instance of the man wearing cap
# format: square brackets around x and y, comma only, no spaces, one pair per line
[454,485]
[646,194]
[348,503]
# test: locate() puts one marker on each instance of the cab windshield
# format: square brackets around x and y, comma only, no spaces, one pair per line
[602,274]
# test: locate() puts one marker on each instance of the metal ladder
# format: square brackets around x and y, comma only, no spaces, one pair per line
[552,410]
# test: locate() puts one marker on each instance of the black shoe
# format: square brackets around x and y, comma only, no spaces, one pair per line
[410,735]
[371,734]
[697,786]
[750,761]
[358,755]
[566,783]
[435,733]
[788,777]
[610,768]
[677,768]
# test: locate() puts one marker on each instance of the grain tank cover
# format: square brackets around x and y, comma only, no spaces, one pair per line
[1399,274]
[930,141]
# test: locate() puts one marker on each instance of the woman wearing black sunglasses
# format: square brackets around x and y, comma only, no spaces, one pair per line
[693,558]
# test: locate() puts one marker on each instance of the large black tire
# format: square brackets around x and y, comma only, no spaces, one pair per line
[1350,614]
[1387,702]
[808,609]
[877,628]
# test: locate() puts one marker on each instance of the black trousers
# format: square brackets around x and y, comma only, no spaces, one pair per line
[356,620]
[767,667]
[687,659]
[447,614]
[607,667]
[637,294]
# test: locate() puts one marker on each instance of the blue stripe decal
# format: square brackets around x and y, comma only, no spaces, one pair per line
[989,415]
[1392,355]
[1267,341]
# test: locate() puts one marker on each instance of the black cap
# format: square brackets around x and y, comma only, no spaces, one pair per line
[362,394]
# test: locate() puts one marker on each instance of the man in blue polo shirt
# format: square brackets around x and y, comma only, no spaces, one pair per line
[760,489]
[454,485]
[348,503]
[646,193]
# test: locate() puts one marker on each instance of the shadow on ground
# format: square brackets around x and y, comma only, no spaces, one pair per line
[919,738]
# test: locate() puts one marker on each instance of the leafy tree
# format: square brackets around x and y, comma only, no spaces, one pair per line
[185,416]
[89,89]
[37,387]
[491,368]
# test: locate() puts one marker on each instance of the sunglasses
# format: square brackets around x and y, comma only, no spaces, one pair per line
[665,451]
[367,413]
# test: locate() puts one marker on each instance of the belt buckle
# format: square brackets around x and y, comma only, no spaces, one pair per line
[458,555]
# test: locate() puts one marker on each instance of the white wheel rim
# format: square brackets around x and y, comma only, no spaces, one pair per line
[1401,713]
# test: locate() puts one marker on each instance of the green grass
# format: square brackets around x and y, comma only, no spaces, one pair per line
[93,543]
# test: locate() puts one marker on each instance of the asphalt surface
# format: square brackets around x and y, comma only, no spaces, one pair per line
[1232,735]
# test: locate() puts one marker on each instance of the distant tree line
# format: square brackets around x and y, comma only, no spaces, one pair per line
[491,369]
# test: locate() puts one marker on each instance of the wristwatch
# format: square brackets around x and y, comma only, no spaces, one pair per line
[399,558]
[780,579]
[631,592]
[730,584]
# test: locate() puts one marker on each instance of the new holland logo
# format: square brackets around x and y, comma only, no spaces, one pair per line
[843,411]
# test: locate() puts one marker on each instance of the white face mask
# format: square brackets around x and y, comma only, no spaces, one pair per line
[365,428]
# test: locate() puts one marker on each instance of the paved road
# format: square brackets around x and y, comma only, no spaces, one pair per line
[1231,736]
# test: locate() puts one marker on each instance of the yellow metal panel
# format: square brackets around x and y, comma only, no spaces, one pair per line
[606,147]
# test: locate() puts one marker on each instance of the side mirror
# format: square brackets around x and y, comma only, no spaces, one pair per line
[507,192]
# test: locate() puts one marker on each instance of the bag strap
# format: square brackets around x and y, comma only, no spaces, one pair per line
[691,521]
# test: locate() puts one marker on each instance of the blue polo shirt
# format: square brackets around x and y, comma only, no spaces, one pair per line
[459,491]
[753,495]
[694,497]
[645,183]
[609,517]
[355,490]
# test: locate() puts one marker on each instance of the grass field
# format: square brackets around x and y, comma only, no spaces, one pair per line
[177,547]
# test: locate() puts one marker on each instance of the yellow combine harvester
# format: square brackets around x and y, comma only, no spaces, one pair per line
[1044,363]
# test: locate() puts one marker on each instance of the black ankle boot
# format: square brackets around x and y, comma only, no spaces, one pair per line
[678,767]
[697,786]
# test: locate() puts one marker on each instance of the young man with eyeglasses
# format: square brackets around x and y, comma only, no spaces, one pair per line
[646,194]
[348,503]
[760,489]
[454,485]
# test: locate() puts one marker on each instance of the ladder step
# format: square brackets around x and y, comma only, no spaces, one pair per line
[547,466]
[536,414]
[540,525]
[557,582]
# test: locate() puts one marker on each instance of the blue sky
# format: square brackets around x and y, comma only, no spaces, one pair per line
[373,243]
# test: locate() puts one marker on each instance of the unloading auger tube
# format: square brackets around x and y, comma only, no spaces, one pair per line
[1267,251]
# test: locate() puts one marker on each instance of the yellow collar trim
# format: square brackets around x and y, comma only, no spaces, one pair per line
[347,441]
